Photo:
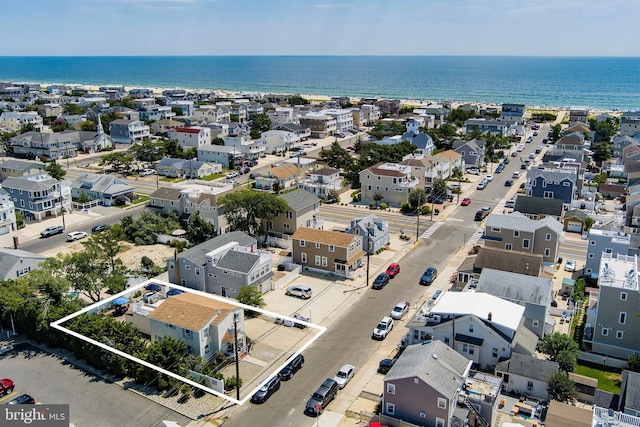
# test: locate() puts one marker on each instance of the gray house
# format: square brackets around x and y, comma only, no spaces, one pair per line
[14,167]
[472,152]
[608,241]
[104,188]
[38,196]
[423,385]
[534,293]
[16,262]
[630,393]
[223,265]
[171,167]
[526,375]
[375,228]
[186,203]
[553,184]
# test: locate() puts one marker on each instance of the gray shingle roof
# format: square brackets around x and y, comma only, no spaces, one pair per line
[632,391]
[575,213]
[524,341]
[180,163]
[10,257]
[552,175]
[101,183]
[299,199]
[197,254]
[21,165]
[539,206]
[529,367]
[22,183]
[242,262]
[517,221]
[435,363]
[516,287]
[510,261]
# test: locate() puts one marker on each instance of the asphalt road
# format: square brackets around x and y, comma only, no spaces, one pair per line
[92,401]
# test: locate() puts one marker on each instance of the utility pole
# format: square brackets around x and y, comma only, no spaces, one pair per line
[368,250]
[235,336]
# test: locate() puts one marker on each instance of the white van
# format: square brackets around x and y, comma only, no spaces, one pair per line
[516,175]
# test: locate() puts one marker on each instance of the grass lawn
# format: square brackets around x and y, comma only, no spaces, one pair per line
[170,179]
[213,176]
[607,380]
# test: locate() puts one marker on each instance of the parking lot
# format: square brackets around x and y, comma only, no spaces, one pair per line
[93,402]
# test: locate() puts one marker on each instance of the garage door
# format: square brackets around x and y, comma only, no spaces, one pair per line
[575,227]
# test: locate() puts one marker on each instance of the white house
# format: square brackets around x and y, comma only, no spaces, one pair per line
[14,121]
[191,136]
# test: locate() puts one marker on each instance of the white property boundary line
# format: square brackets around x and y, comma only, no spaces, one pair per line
[130,291]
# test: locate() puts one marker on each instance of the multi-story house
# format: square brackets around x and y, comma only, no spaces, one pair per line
[38,196]
[303,208]
[472,152]
[286,175]
[534,293]
[281,116]
[204,324]
[321,125]
[375,232]
[516,232]
[621,141]
[104,188]
[513,111]
[191,136]
[301,132]
[392,181]
[601,240]
[16,263]
[125,131]
[328,251]
[527,375]
[54,146]
[156,113]
[496,127]
[423,141]
[441,165]
[162,126]
[630,123]
[7,213]
[168,166]
[49,110]
[223,265]
[389,107]
[12,167]
[573,143]
[211,114]
[629,402]
[14,121]
[221,154]
[612,324]
[578,115]
[479,326]
[369,113]
[185,107]
[321,181]
[552,184]
[140,93]
[343,116]
[277,141]
[539,207]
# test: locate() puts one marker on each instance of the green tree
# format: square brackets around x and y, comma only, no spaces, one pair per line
[601,152]
[88,126]
[217,141]
[567,361]
[298,100]
[439,187]
[417,198]
[173,149]
[588,223]
[603,131]
[248,210]
[276,187]
[119,161]
[561,388]
[377,197]
[251,295]
[633,363]
[260,122]
[106,246]
[336,156]
[147,151]
[107,118]
[74,109]
[55,170]
[557,342]
[199,230]
[556,130]
[85,273]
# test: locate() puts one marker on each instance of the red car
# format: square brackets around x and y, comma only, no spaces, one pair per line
[6,386]
[465,202]
[393,270]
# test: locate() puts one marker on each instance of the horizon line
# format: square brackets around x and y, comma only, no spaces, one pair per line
[324,56]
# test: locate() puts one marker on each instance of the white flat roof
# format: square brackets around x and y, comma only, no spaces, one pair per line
[480,304]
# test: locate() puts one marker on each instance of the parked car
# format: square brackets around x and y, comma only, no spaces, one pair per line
[299,291]
[429,276]
[147,172]
[383,328]
[437,294]
[520,148]
[52,231]
[535,133]
[465,202]
[489,178]
[482,213]
[385,365]
[570,265]
[381,281]
[473,171]
[264,392]
[6,386]
[508,183]
[435,199]
[539,149]
[232,175]
[482,185]
[514,154]
[23,399]
[500,168]
[292,367]
[321,398]
[505,161]
[516,175]
[76,235]
[344,375]
[299,316]
[393,270]
[399,310]
[99,227]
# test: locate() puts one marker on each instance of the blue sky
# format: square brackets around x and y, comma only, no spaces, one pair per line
[321,27]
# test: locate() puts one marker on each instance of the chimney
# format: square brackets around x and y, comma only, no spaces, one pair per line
[489,316]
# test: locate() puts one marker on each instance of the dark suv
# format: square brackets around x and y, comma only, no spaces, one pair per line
[23,399]
[322,397]
[429,276]
[381,281]
[292,367]
[266,390]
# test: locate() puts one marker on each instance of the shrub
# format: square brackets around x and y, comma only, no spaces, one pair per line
[404,208]
[383,206]
[232,383]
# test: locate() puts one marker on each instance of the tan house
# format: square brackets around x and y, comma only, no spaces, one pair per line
[392,181]
[285,174]
[329,251]
[441,165]
[303,208]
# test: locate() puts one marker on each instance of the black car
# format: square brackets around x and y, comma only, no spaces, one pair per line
[482,214]
[508,183]
[385,365]
[381,281]
[270,387]
[506,160]
[292,367]
[99,227]
[500,168]
[23,399]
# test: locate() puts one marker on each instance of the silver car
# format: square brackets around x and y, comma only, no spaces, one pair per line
[299,291]
[399,310]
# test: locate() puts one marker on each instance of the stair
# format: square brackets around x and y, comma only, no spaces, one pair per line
[473,409]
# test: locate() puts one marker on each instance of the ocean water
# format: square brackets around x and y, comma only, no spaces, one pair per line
[603,83]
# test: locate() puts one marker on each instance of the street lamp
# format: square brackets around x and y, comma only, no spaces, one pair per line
[368,249]
[235,337]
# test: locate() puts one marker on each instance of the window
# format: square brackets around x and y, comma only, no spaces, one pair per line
[416,381]
[529,385]
[605,332]
[548,236]
[525,243]
[566,184]
[622,318]
[472,349]
[442,403]
[423,414]
[471,327]
[548,195]
[302,243]
[495,352]
[439,422]
[623,296]
[197,271]
[317,245]
[391,408]
[591,255]
[547,252]
[188,267]
[619,334]
[186,333]
[608,251]
[391,388]
[303,257]
[535,323]
[332,248]
[516,233]
[496,229]
[446,340]
[508,246]
[324,261]
[317,259]
[593,242]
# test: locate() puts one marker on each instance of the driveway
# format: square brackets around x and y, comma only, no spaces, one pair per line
[92,401]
